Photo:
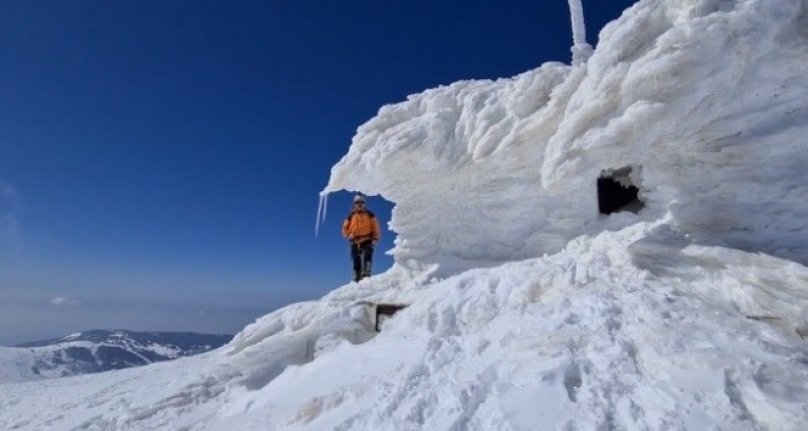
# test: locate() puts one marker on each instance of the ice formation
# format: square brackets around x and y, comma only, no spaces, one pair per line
[706,100]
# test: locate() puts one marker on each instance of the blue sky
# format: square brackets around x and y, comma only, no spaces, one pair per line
[160,160]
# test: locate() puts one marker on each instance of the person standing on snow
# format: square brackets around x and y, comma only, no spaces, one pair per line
[361,229]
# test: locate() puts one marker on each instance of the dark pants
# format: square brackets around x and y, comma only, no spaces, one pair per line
[362,256]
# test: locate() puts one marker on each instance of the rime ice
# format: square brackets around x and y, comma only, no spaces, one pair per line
[706,101]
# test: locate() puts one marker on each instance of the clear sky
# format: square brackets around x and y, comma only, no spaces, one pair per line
[160,161]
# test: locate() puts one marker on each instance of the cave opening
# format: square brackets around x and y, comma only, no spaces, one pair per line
[617,192]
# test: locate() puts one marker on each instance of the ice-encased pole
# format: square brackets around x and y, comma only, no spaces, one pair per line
[580,49]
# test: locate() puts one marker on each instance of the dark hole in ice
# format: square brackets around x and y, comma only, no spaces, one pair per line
[617,192]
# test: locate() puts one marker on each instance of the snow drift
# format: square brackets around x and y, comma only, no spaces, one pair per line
[527,308]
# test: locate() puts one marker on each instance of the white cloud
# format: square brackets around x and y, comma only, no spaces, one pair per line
[63,301]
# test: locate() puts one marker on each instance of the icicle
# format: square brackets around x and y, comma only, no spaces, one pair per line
[325,206]
[580,49]
[322,208]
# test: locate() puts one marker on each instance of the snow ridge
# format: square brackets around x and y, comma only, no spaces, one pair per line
[99,350]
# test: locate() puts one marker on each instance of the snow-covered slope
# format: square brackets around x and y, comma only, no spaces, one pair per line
[627,330]
[99,350]
[526,308]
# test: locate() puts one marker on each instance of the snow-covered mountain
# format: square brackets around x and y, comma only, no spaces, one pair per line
[619,244]
[100,350]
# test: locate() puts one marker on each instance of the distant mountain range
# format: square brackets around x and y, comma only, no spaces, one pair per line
[99,350]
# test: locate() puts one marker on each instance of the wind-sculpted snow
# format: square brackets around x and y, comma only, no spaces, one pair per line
[712,104]
[461,163]
[706,100]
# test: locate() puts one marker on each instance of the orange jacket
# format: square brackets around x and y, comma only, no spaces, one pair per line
[360,226]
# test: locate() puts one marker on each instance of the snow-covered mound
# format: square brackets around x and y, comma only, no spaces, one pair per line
[100,350]
[526,308]
[706,100]
[632,329]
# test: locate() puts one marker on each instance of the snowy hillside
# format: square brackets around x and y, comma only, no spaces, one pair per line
[99,350]
[617,244]
[626,330]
